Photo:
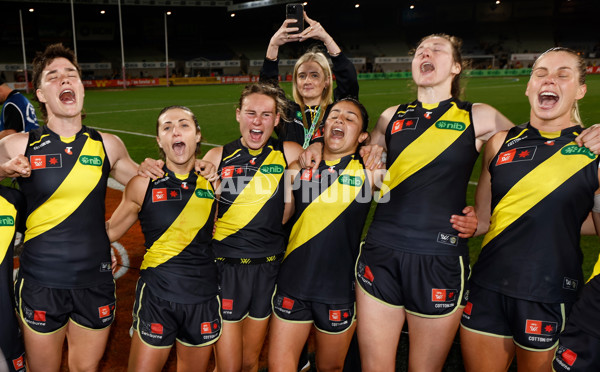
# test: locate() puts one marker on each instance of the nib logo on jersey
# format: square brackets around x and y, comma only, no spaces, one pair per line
[165,194]
[540,328]
[45,161]
[444,297]
[515,155]
[210,330]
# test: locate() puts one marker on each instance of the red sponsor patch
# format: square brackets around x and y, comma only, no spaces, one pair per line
[569,356]
[227,304]
[397,126]
[335,315]
[39,316]
[227,172]
[318,133]
[287,303]
[533,327]
[156,328]
[104,311]
[306,175]
[205,328]
[37,161]
[159,195]
[539,327]
[506,157]
[368,274]
[18,363]
[468,308]
[438,295]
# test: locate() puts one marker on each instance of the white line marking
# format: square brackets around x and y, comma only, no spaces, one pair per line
[142,134]
[157,108]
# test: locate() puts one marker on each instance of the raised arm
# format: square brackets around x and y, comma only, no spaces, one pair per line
[269,71]
[127,212]
[343,70]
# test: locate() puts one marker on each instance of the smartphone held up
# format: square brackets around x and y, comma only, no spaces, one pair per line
[295,11]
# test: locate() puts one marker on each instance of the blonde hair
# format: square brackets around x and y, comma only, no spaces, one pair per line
[326,96]
[581,69]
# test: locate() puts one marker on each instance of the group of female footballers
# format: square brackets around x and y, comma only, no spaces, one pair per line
[264,225]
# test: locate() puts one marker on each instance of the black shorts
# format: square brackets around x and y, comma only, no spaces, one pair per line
[15,363]
[160,322]
[46,310]
[424,285]
[579,344]
[327,318]
[246,290]
[533,326]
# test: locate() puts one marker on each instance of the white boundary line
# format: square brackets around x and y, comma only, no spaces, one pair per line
[157,108]
[144,135]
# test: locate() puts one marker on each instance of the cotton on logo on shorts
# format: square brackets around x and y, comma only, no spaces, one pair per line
[569,356]
[288,303]
[39,316]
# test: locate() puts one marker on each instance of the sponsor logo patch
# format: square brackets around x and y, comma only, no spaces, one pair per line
[443,295]
[39,315]
[451,125]
[345,179]
[271,169]
[569,356]
[104,311]
[227,172]
[165,194]
[18,363]
[447,239]
[209,327]
[368,274]
[576,150]
[540,327]
[404,124]
[204,194]
[468,308]
[518,154]
[227,304]
[7,221]
[570,284]
[156,328]
[45,161]
[95,161]
[287,303]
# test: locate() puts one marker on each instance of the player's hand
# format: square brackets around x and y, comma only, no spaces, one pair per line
[207,170]
[373,156]
[466,225]
[590,138]
[16,167]
[311,157]
[113,263]
[151,168]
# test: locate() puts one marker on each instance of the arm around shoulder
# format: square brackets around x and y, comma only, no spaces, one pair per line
[127,212]
[122,167]
[488,121]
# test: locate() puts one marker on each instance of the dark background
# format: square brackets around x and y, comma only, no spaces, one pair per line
[376,28]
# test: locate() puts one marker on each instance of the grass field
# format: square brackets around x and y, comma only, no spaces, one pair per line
[135,111]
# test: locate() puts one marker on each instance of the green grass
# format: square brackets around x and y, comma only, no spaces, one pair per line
[136,110]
